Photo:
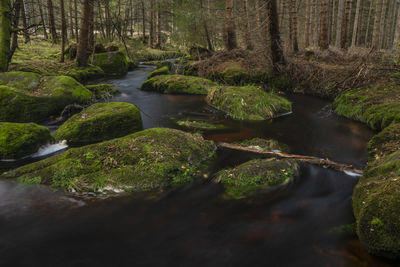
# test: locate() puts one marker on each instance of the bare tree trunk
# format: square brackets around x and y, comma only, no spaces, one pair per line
[63,29]
[368,24]
[151,34]
[276,45]
[316,22]
[14,23]
[345,31]
[247,35]
[360,28]
[339,26]
[375,33]
[24,24]
[82,56]
[356,21]
[52,23]
[158,26]
[76,21]
[392,20]
[382,24]
[143,22]
[333,23]
[323,39]
[91,27]
[293,26]
[396,40]
[230,35]
[5,31]
[42,20]
[71,21]
[308,23]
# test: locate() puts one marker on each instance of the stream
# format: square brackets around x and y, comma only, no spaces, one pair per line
[194,226]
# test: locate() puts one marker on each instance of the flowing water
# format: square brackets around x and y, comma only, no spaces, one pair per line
[194,226]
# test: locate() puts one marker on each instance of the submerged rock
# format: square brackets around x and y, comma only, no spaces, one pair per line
[201,125]
[27,97]
[112,63]
[102,91]
[148,160]
[376,198]
[100,122]
[377,106]
[178,84]
[248,102]
[265,144]
[21,139]
[250,178]
[161,71]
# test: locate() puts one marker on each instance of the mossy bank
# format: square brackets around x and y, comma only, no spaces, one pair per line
[147,160]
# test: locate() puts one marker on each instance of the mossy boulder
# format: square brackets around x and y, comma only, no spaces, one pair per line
[376,198]
[112,63]
[100,122]
[178,84]
[377,106]
[248,102]
[23,99]
[161,71]
[148,160]
[102,91]
[160,64]
[233,75]
[21,139]
[201,125]
[252,177]
[265,144]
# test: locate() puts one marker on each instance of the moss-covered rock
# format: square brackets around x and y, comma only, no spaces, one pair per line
[26,81]
[100,122]
[29,101]
[250,178]
[234,75]
[102,91]
[112,63]
[377,106]
[161,71]
[248,102]
[265,144]
[201,125]
[160,64]
[146,160]
[21,139]
[178,84]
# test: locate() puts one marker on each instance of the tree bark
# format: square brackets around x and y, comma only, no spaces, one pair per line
[63,30]
[397,31]
[24,24]
[230,35]
[368,24]
[71,21]
[375,33]
[52,23]
[247,34]
[76,21]
[316,22]
[323,38]
[382,24]
[42,20]
[151,34]
[293,26]
[5,32]
[14,23]
[308,24]
[143,23]
[82,55]
[346,25]
[339,24]
[276,45]
[356,21]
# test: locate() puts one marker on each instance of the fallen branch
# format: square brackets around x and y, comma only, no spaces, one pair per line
[326,163]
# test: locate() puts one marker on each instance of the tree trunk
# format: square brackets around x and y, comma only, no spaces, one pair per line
[71,21]
[82,56]
[293,26]
[323,39]
[392,20]
[5,31]
[356,21]
[24,24]
[382,24]
[52,23]
[276,45]
[368,24]
[151,34]
[63,29]
[158,26]
[339,24]
[90,46]
[375,33]
[230,36]
[143,23]
[42,20]
[76,21]
[346,24]
[316,22]
[397,31]
[247,35]
[15,23]
[333,22]
[308,24]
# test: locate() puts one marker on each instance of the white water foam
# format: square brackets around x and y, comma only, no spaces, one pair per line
[353,174]
[50,149]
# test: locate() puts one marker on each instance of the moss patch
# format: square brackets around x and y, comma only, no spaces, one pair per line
[112,63]
[146,160]
[266,144]
[102,91]
[248,102]
[252,177]
[100,122]
[160,64]
[161,71]
[48,98]
[201,125]
[377,106]
[21,139]
[178,84]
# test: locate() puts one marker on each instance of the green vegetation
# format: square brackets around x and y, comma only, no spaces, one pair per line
[377,106]
[112,63]
[201,125]
[21,139]
[266,144]
[250,178]
[148,160]
[102,91]
[161,71]
[26,97]
[100,122]
[178,84]
[248,102]
[160,64]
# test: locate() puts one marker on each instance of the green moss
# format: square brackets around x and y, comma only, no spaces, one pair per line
[146,160]
[252,177]
[100,122]
[266,144]
[178,84]
[24,81]
[30,181]
[234,75]
[161,71]
[377,106]
[160,64]
[201,125]
[21,139]
[102,91]
[112,63]
[248,102]
[38,104]
[386,142]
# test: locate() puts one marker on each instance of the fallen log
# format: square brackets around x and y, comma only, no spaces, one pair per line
[326,163]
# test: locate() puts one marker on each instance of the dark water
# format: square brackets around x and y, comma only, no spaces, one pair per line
[194,226]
